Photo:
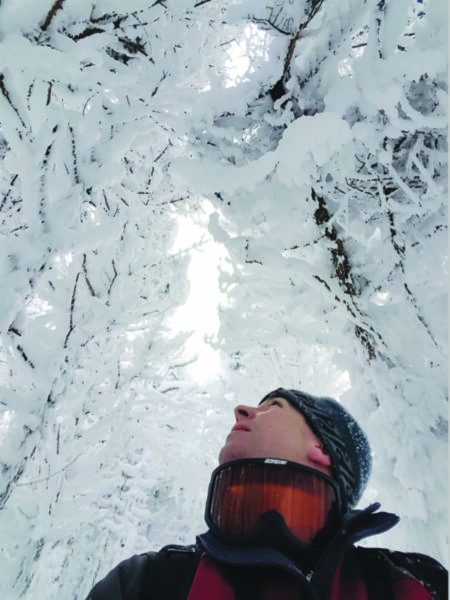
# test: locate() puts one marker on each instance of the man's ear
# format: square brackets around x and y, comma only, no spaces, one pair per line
[319,456]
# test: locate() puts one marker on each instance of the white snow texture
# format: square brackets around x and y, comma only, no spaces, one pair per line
[304,144]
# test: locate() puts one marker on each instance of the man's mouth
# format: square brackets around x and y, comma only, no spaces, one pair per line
[241,428]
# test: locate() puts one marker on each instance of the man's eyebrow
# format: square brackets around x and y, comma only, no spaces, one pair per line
[273,398]
[263,403]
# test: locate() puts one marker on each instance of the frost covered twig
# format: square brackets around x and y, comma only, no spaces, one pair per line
[5,93]
[74,155]
[51,13]
[72,308]
[8,193]
[10,486]
[88,283]
[113,279]
[312,13]
[24,356]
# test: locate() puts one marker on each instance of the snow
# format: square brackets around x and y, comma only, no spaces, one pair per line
[175,240]
[199,315]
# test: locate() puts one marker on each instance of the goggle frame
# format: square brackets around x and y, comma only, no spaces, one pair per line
[335,511]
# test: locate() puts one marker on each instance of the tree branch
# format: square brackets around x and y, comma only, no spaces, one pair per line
[51,13]
[4,91]
[6,196]
[72,308]
[113,279]
[24,356]
[287,62]
[9,488]
[88,283]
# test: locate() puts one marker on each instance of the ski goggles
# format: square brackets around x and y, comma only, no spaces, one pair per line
[245,494]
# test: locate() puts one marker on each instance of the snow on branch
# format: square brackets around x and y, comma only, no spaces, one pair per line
[324,160]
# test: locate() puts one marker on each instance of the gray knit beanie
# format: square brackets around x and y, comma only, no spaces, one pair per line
[342,437]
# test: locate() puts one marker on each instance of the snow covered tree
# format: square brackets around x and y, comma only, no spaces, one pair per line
[312,135]
[330,185]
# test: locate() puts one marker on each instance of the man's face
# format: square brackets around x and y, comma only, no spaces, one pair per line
[274,429]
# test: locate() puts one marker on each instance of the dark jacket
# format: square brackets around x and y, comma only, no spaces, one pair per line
[370,573]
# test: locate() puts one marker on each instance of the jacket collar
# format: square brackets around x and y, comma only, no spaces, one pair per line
[356,525]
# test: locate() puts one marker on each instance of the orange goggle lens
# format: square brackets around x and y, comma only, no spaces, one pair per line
[243,491]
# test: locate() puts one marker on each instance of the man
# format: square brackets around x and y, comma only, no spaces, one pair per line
[281,520]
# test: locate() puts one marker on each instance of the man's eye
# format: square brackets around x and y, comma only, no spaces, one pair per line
[275,402]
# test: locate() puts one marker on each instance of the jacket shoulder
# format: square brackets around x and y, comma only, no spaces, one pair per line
[125,581]
[172,572]
[145,575]
[428,571]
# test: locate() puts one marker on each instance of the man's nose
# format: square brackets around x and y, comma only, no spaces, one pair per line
[244,412]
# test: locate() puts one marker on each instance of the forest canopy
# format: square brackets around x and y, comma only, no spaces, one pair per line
[299,149]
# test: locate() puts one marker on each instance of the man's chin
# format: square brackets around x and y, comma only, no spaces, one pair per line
[230,452]
[223,455]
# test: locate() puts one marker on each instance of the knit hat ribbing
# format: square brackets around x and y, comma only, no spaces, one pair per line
[342,437]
